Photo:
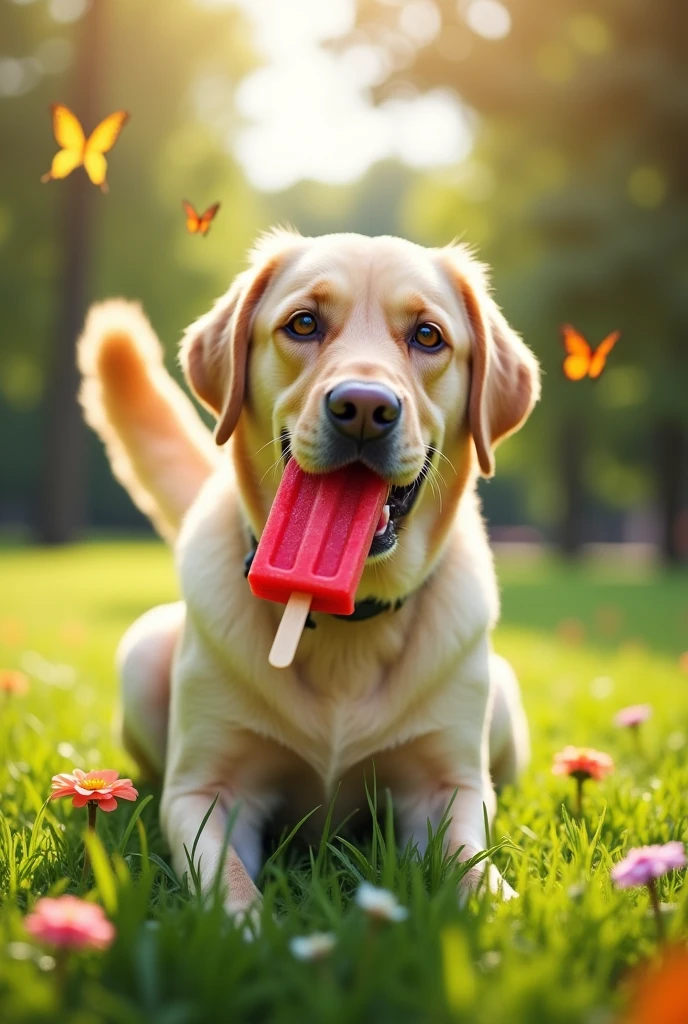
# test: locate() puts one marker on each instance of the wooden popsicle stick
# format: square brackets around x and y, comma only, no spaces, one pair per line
[289,630]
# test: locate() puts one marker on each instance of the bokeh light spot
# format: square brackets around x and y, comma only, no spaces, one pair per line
[476,181]
[18,76]
[647,186]
[488,18]
[66,11]
[622,387]
[420,20]
[21,381]
[590,34]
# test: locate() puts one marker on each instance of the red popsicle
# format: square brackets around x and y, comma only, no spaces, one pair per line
[314,546]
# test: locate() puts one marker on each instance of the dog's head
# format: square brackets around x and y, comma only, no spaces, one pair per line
[343,348]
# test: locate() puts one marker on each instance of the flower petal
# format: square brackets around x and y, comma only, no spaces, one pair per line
[107,775]
[108,803]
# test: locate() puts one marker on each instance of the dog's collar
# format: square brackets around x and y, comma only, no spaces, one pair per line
[366,609]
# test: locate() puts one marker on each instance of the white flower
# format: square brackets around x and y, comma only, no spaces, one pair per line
[312,947]
[380,903]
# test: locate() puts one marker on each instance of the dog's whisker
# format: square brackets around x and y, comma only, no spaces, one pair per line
[431,448]
[271,441]
[434,485]
[273,467]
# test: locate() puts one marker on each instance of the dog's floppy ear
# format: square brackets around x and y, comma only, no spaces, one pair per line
[505,377]
[214,349]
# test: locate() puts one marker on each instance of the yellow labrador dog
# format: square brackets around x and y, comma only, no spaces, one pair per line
[326,350]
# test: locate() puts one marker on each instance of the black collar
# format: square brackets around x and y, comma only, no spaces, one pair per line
[366,609]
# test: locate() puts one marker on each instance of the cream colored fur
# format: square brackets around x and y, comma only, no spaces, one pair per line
[418,691]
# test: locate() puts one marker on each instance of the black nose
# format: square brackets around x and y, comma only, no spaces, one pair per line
[363,411]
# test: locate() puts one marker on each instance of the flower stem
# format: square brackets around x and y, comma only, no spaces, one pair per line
[92,812]
[61,956]
[656,907]
[635,729]
[579,797]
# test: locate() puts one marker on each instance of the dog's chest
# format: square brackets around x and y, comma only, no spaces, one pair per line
[337,709]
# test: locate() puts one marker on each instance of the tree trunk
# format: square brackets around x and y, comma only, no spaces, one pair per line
[671,452]
[571,449]
[63,480]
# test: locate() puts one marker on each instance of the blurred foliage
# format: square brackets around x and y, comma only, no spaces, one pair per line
[174,64]
[575,192]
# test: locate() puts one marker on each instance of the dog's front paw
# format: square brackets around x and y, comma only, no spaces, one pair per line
[246,917]
[494,881]
[497,884]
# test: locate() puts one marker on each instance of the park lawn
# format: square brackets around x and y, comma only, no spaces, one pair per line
[585,642]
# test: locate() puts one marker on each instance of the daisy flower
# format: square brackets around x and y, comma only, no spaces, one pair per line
[379,903]
[312,947]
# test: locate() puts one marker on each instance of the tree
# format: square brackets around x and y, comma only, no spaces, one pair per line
[174,65]
[584,142]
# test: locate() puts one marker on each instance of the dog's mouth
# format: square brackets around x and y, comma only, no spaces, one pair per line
[400,502]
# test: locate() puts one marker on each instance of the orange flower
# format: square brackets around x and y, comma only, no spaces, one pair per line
[70,923]
[582,763]
[14,683]
[99,788]
[659,994]
[571,631]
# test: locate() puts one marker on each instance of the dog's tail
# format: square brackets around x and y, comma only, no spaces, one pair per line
[159,448]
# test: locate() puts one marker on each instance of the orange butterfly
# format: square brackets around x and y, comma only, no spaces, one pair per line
[77,150]
[581,361]
[199,225]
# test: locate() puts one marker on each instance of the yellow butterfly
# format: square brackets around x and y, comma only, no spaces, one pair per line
[77,150]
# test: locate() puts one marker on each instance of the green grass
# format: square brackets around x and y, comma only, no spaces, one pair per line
[559,953]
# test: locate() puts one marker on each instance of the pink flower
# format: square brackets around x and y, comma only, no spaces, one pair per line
[70,923]
[633,716]
[100,788]
[645,863]
[582,763]
[13,682]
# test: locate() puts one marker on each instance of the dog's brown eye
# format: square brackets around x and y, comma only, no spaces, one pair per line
[304,325]
[428,336]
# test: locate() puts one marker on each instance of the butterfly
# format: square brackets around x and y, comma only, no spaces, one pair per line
[196,225]
[77,150]
[581,361]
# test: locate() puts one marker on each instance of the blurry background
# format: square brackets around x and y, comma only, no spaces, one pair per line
[552,136]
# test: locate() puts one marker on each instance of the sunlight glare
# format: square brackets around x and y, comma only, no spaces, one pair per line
[308,111]
[489,19]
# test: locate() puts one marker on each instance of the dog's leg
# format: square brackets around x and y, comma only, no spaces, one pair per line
[144,661]
[185,802]
[509,735]
[460,764]
[209,757]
